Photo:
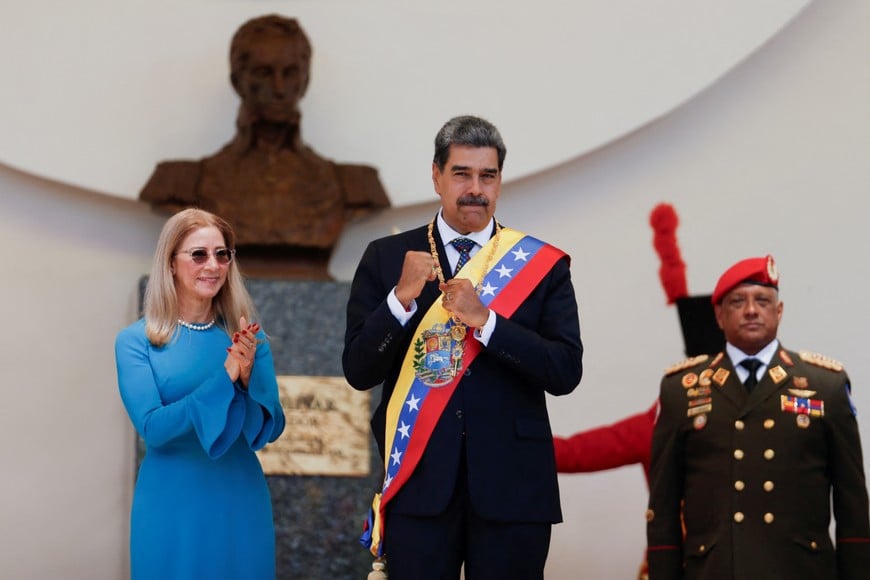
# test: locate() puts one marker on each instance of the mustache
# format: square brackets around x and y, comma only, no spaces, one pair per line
[473,200]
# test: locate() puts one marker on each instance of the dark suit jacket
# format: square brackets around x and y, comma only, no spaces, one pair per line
[498,411]
[756,478]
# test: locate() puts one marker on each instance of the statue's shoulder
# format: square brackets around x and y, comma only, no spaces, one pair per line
[361,185]
[173,182]
[686,364]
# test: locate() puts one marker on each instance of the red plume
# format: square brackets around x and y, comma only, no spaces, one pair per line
[672,272]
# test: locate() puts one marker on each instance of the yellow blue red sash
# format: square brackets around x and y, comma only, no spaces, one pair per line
[436,361]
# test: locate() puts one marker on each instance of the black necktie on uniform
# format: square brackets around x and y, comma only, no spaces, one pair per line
[463,246]
[751,365]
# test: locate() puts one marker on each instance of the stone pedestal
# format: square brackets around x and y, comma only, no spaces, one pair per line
[318,519]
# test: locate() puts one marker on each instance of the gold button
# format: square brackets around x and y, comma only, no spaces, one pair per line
[768,486]
[814,545]
[768,518]
[739,485]
[769,423]
[650,515]
[738,454]
[769,454]
[738,517]
[702,548]
[739,425]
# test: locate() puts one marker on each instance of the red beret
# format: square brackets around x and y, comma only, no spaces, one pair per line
[760,270]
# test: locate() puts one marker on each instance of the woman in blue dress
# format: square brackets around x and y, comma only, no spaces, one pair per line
[198,382]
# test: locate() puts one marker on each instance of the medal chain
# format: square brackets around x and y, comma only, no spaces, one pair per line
[479,286]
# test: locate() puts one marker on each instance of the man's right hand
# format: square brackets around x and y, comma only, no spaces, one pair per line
[419,268]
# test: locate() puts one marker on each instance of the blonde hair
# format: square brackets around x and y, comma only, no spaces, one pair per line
[161,301]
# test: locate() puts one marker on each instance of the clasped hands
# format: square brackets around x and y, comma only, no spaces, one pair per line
[240,356]
[460,297]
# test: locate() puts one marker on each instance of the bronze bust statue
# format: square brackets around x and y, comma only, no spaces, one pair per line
[284,200]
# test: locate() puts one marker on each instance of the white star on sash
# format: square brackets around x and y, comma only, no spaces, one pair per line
[397,456]
[388,481]
[488,290]
[504,271]
[404,430]
[412,403]
[519,254]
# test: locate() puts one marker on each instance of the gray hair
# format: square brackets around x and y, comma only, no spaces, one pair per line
[467,131]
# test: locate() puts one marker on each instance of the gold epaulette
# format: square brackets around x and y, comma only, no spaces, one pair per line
[821,360]
[684,364]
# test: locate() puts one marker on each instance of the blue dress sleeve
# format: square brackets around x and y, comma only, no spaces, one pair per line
[264,416]
[214,410]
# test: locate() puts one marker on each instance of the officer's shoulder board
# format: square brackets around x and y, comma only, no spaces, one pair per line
[685,364]
[821,360]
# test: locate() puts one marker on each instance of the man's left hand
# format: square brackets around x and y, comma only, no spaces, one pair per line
[461,300]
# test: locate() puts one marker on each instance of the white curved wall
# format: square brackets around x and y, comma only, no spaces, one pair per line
[772,158]
[122,85]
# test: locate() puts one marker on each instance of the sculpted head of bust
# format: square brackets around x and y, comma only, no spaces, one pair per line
[270,63]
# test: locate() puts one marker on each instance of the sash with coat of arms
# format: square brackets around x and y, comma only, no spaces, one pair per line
[437,360]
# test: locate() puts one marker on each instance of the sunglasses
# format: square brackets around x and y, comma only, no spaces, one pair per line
[223,256]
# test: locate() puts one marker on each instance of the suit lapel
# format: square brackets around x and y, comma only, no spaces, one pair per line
[731,388]
[775,376]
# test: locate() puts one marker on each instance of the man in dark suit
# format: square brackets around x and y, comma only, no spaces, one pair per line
[751,450]
[466,361]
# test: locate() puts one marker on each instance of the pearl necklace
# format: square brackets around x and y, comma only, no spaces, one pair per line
[192,326]
[459,327]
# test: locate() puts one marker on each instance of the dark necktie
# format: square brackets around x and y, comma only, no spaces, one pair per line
[463,246]
[751,365]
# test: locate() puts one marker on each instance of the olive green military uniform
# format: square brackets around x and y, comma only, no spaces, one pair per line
[752,474]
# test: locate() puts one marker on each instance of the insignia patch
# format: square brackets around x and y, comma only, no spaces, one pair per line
[699,422]
[802,406]
[820,360]
[438,356]
[720,376]
[716,360]
[692,411]
[786,358]
[684,364]
[801,393]
[772,272]
[698,392]
[801,383]
[778,374]
[704,377]
[689,380]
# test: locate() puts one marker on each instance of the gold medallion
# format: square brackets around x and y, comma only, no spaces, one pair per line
[689,380]
[803,421]
[700,422]
[704,378]
[457,332]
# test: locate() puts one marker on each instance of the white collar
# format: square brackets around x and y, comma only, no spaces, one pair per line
[765,355]
[448,234]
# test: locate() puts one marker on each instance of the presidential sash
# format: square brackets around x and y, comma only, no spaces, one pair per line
[437,360]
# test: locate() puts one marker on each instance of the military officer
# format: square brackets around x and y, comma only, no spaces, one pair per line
[752,449]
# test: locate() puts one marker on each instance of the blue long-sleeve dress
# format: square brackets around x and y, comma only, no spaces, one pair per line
[201,507]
